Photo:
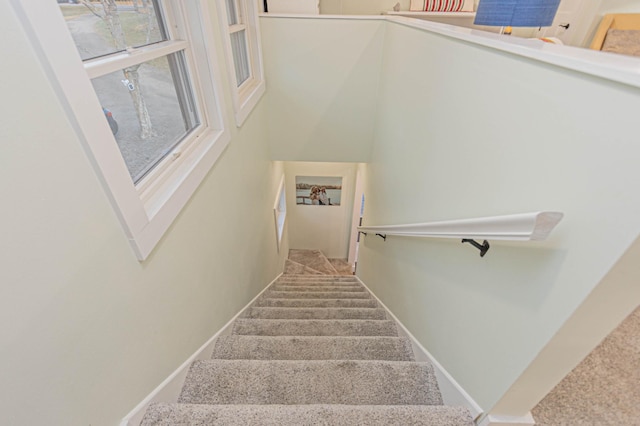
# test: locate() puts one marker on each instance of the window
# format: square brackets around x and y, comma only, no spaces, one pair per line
[138,82]
[243,54]
[280,212]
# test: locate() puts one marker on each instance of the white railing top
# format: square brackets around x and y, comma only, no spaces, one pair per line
[518,227]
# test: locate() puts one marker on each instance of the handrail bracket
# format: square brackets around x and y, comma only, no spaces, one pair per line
[383,236]
[484,247]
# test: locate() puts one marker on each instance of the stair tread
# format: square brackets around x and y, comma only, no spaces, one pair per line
[170,414]
[314,327]
[341,265]
[310,382]
[313,347]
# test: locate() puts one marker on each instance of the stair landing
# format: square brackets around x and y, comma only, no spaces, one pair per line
[314,262]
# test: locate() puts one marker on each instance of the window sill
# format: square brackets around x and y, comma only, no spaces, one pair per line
[163,202]
[248,99]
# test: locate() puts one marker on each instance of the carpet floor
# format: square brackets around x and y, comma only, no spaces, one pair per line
[604,389]
[314,349]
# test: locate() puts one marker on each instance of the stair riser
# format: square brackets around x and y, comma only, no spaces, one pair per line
[317,303]
[315,295]
[165,414]
[255,327]
[310,382]
[313,348]
[316,280]
[319,284]
[343,278]
[322,287]
[316,313]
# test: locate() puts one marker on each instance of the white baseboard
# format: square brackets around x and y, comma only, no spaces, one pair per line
[452,392]
[498,420]
[169,390]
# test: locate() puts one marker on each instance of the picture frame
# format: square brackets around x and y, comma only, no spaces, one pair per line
[318,190]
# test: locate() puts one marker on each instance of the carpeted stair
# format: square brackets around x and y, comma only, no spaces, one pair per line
[312,350]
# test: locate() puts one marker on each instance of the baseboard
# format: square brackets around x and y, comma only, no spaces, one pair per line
[452,392]
[498,420]
[169,390]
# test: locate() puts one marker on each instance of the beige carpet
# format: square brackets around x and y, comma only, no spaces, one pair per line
[313,259]
[290,360]
[314,262]
[604,389]
[341,266]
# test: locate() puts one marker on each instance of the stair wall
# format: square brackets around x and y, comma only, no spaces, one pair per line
[169,390]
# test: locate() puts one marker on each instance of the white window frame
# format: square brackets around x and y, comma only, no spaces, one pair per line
[280,212]
[145,210]
[245,97]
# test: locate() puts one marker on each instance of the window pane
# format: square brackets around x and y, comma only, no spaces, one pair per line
[232,14]
[240,57]
[105,27]
[150,108]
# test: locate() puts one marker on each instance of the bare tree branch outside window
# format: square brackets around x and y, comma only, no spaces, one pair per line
[109,15]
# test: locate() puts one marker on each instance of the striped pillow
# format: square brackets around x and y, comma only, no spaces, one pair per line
[443,5]
[437,5]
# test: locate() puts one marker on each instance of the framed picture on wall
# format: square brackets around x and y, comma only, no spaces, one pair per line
[318,190]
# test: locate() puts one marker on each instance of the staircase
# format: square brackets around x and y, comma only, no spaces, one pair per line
[314,349]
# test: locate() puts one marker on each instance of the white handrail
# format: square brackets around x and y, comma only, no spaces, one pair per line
[519,227]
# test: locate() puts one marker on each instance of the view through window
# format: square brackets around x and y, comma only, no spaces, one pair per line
[240,23]
[238,33]
[140,77]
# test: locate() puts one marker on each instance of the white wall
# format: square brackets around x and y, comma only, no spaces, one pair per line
[619,6]
[87,331]
[325,228]
[322,87]
[360,7]
[465,131]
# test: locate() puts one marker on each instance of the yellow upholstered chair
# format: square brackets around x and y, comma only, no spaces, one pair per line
[615,21]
